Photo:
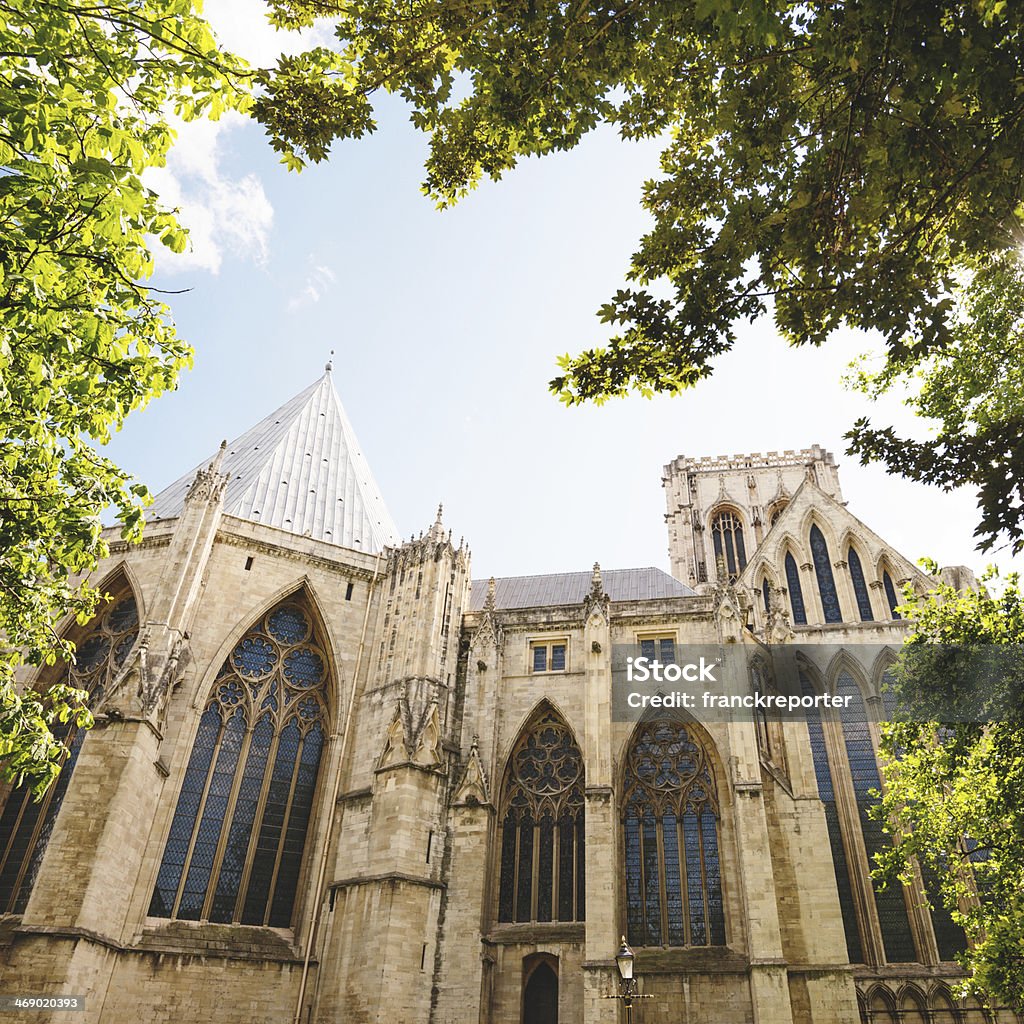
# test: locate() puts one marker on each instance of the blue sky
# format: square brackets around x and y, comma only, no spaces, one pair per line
[445,328]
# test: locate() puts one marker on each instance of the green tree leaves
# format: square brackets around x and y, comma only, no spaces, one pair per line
[84,90]
[955,793]
[825,164]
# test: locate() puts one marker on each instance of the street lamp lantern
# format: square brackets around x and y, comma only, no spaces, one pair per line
[624,961]
[627,983]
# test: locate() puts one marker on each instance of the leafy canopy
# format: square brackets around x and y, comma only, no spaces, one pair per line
[84,92]
[827,163]
[955,794]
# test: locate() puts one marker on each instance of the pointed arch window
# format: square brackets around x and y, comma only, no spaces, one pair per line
[670,833]
[239,829]
[860,588]
[890,595]
[826,581]
[796,594]
[897,937]
[827,795]
[25,824]
[727,538]
[542,847]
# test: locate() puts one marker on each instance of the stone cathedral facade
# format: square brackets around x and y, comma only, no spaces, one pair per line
[333,780]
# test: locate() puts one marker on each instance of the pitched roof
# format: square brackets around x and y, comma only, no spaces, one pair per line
[300,469]
[571,587]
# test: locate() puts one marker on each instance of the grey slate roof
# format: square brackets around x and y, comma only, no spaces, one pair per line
[571,588]
[301,469]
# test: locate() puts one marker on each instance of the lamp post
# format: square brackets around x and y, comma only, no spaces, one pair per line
[624,961]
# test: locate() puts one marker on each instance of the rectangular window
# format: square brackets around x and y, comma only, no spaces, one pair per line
[658,648]
[548,655]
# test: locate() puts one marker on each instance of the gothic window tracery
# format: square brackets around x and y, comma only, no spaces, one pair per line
[796,594]
[826,581]
[860,587]
[727,538]
[237,837]
[542,875]
[26,825]
[670,833]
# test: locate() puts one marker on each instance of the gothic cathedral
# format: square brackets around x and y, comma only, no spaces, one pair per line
[332,779]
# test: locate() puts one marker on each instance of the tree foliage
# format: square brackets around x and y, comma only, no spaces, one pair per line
[955,792]
[827,163]
[85,90]
[973,390]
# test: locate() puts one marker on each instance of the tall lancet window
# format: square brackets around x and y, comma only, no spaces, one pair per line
[542,849]
[897,937]
[890,595]
[860,587]
[237,837]
[26,825]
[796,594]
[826,791]
[826,581]
[727,538]
[670,829]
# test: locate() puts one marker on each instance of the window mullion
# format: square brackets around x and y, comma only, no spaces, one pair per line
[556,844]
[225,825]
[535,871]
[683,888]
[257,823]
[704,876]
[284,829]
[199,812]
[659,832]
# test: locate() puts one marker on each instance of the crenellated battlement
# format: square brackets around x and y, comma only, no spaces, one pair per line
[756,460]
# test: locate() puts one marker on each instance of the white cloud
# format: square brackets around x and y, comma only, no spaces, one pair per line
[223,214]
[227,215]
[319,280]
[242,27]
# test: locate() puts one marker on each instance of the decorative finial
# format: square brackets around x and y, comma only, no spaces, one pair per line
[330,363]
[492,589]
[440,512]
[596,586]
[218,459]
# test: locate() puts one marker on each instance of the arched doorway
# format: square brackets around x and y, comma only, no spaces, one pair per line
[540,996]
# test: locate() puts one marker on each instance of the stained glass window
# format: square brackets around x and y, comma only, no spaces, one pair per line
[826,581]
[670,833]
[890,594]
[826,792]
[949,936]
[727,538]
[796,594]
[26,825]
[897,937]
[236,841]
[542,851]
[860,588]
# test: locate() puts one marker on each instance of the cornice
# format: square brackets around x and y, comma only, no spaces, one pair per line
[339,567]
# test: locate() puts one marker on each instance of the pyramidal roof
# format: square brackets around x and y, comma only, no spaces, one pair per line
[301,469]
